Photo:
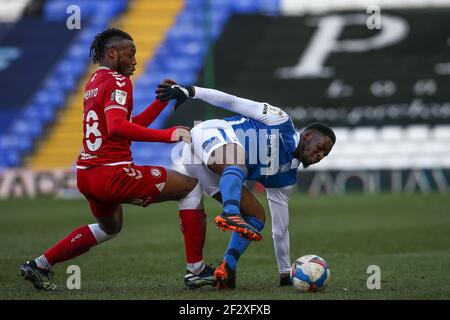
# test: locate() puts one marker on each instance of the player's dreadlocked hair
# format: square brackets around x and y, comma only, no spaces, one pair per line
[323,128]
[104,39]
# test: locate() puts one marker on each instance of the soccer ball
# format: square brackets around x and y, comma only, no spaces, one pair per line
[310,273]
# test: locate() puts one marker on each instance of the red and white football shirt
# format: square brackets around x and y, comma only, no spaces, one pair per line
[105,90]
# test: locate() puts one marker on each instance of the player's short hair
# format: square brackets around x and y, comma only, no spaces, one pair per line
[104,39]
[323,128]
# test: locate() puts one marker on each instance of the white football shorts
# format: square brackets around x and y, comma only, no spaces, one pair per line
[207,136]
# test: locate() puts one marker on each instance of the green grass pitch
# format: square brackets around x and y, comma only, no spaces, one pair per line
[407,236]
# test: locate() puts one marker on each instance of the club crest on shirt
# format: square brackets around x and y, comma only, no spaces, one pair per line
[155,172]
[119,96]
[140,202]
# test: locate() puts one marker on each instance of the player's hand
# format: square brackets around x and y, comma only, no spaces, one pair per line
[181,133]
[167,91]
[169,81]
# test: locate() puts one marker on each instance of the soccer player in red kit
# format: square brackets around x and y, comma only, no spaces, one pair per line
[107,176]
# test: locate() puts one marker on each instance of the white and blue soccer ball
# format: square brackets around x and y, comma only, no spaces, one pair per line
[310,273]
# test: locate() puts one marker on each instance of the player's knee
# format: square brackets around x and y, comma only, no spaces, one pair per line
[257,211]
[194,199]
[191,184]
[115,231]
[102,233]
[111,230]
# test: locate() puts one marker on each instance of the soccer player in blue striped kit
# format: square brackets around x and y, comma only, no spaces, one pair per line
[259,144]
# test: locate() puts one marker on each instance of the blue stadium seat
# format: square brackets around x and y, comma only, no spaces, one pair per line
[78,50]
[152,153]
[9,158]
[31,127]
[99,22]
[270,7]
[14,142]
[185,64]
[245,6]
[53,99]
[180,77]
[183,34]
[55,10]
[24,143]
[39,112]
[143,95]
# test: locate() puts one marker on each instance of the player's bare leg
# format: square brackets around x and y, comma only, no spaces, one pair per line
[177,187]
[79,241]
[250,205]
[189,193]
[112,224]
[228,161]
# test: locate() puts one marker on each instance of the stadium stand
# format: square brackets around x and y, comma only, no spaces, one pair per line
[180,55]
[27,41]
[71,75]
[146,22]
[385,103]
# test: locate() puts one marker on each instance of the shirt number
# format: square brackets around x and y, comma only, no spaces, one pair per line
[92,129]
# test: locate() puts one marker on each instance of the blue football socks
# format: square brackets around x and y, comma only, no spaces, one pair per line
[238,245]
[230,185]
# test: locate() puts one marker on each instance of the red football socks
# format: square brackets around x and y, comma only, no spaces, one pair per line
[77,242]
[193,226]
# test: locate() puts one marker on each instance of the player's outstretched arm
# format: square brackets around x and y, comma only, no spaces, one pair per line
[146,117]
[120,127]
[255,110]
[278,199]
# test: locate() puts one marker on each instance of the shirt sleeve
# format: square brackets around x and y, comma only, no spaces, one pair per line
[118,94]
[278,199]
[260,111]
[120,127]
[146,117]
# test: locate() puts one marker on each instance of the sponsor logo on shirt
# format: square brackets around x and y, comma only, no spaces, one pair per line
[86,156]
[275,110]
[208,144]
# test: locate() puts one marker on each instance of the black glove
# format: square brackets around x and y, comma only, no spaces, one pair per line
[174,91]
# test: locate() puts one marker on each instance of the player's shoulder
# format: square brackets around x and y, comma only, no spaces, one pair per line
[275,115]
[110,78]
[270,109]
[119,79]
